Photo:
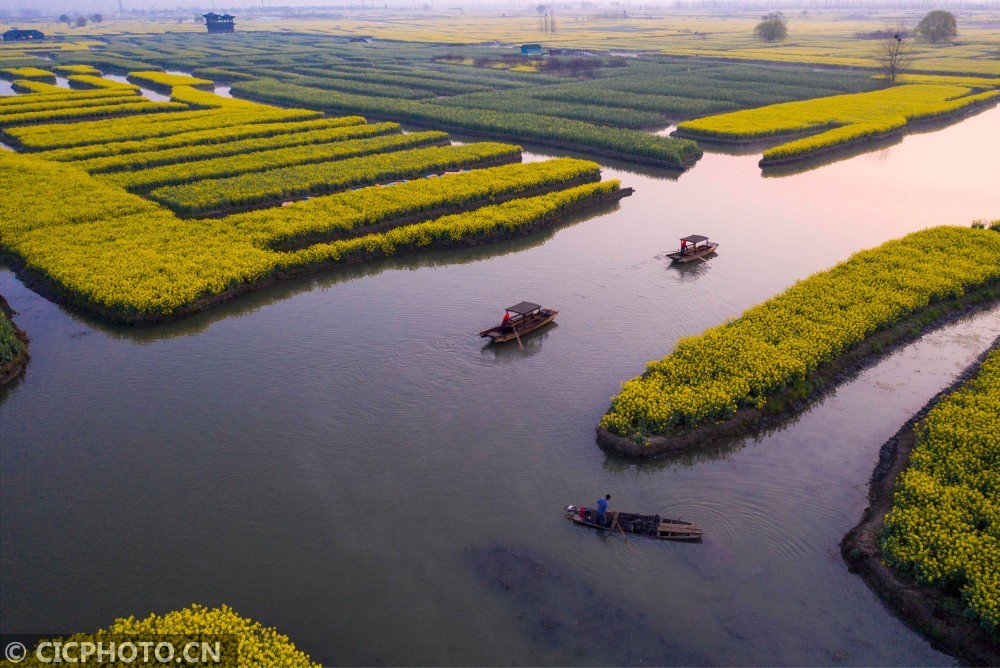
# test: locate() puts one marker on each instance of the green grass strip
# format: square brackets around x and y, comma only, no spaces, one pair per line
[529,127]
[261,161]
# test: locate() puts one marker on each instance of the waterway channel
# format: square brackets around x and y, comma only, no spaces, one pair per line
[342,458]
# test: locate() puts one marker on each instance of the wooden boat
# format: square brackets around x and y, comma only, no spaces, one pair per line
[518,320]
[694,247]
[652,526]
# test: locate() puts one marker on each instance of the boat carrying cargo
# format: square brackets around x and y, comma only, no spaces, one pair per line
[653,526]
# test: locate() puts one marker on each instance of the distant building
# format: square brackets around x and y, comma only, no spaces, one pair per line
[219,22]
[361,39]
[16,35]
[531,49]
[571,52]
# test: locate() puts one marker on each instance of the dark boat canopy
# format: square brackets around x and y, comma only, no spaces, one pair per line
[524,308]
[695,239]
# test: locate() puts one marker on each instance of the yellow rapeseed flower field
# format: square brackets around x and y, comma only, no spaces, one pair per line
[782,341]
[256,646]
[944,527]
[837,119]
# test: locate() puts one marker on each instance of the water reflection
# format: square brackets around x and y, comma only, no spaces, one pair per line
[531,344]
[879,150]
[687,272]
[148,93]
[256,300]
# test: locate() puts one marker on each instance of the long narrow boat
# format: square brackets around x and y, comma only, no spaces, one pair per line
[652,526]
[694,247]
[518,320]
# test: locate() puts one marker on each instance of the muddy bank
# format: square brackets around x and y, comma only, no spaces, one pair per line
[59,295]
[559,608]
[793,400]
[15,367]
[930,611]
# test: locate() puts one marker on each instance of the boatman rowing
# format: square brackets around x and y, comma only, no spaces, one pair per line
[602,510]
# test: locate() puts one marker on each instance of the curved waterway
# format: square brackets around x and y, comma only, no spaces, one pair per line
[341,457]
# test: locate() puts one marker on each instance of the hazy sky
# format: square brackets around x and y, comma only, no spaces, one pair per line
[111,7]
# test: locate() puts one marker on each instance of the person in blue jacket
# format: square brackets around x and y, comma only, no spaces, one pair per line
[602,510]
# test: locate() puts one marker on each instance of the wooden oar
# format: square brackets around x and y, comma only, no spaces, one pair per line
[517,336]
[622,531]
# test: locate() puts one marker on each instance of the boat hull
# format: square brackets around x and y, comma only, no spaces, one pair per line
[504,334]
[661,529]
[691,257]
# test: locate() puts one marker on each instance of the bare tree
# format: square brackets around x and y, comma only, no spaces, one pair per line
[894,53]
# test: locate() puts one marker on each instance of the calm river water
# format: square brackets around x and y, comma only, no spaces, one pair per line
[342,458]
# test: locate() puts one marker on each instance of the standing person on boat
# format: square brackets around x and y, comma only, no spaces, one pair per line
[602,510]
[506,319]
[684,246]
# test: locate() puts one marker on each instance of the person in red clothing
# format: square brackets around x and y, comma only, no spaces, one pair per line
[506,319]
[684,246]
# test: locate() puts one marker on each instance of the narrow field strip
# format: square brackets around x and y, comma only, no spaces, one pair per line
[628,144]
[504,219]
[211,137]
[44,104]
[203,99]
[781,342]
[201,152]
[351,212]
[207,196]
[27,73]
[163,80]
[128,259]
[97,82]
[110,109]
[515,101]
[66,96]
[40,137]
[191,173]
[832,118]
[76,69]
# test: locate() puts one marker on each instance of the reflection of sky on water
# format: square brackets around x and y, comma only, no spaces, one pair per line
[321,455]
